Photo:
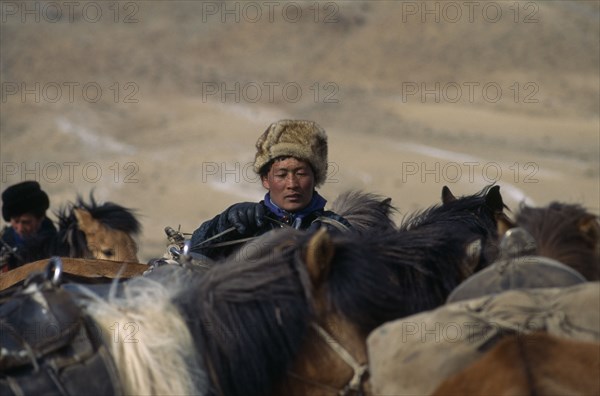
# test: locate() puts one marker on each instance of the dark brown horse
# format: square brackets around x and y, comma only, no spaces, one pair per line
[567,233]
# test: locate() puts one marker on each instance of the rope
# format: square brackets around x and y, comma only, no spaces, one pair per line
[359,369]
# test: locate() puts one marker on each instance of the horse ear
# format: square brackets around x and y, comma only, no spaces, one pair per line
[447,195]
[319,253]
[493,199]
[85,221]
[590,228]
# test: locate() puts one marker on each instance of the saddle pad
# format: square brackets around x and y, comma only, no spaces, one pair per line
[413,355]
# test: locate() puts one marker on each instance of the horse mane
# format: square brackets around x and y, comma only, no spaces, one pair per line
[566,233]
[70,241]
[380,277]
[253,310]
[449,211]
[366,212]
[111,215]
[242,321]
[470,215]
[152,347]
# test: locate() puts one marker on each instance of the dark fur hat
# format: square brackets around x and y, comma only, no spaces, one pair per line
[304,140]
[24,197]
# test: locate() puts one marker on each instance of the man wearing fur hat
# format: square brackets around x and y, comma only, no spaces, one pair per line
[291,160]
[24,206]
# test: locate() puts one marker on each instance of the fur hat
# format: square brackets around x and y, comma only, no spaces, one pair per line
[304,140]
[25,197]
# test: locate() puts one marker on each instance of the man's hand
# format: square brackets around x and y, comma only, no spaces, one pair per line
[246,217]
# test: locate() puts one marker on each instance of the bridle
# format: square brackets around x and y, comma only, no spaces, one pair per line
[354,386]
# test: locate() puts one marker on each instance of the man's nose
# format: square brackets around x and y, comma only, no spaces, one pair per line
[292,181]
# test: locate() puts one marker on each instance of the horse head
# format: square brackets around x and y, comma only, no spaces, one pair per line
[333,341]
[109,230]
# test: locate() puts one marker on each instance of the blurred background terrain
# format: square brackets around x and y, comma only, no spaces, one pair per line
[156,105]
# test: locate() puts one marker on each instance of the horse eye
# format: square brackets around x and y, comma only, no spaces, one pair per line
[108,252]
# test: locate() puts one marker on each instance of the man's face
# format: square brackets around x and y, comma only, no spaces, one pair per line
[291,183]
[26,225]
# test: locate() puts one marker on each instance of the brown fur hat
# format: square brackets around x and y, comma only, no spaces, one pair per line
[304,140]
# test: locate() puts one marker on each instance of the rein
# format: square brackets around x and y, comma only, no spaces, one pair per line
[355,384]
[235,241]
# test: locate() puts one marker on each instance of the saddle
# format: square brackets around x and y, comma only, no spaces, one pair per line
[49,346]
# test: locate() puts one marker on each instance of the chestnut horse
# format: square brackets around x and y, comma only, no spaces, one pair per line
[530,364]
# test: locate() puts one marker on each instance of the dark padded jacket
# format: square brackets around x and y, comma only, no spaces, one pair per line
[24,253]
[313,221]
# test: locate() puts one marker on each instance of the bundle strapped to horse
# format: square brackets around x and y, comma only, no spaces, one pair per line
[48,345]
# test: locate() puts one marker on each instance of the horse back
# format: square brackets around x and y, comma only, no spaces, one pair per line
[530,364]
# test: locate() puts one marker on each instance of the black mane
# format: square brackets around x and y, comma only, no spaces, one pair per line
[377,278]
[252,311]
[69,240]
[111,215]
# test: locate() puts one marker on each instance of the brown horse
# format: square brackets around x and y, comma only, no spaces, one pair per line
[553,246]
[530,364]
[567,233]
[361,281]
[86,231]
[546,239]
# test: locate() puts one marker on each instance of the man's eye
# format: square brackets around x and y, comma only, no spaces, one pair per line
[108,252]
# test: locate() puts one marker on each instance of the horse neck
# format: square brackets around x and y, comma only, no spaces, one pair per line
[251,320]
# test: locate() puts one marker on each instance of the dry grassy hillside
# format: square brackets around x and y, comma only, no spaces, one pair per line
[413,97]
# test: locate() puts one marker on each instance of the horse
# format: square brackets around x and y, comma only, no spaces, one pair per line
[567,233]
[87,230]
[530,364]
[551,246]
[361,281]
[548,247]
[566,239]
[228,329]
[91,230]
